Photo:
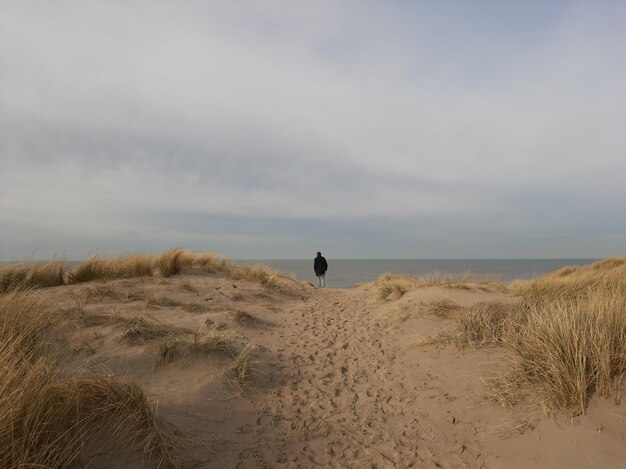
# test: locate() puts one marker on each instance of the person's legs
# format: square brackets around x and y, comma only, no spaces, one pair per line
[319,281]
[323,277]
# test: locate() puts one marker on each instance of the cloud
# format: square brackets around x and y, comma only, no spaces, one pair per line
[440,122]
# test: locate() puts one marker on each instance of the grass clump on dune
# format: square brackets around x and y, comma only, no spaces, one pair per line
[91,269]
[180,348]
[574,282]
[256,273]
[141,329]
[159,299]
[563,342]
[242,366]
[486,323]
[443,307]
[173,261]
[46,420]
[97,268]
[211,262]
[134,265]
[566,350]
[26,275]
[54,418]
[390,285]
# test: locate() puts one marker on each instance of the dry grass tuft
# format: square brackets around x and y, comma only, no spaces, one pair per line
[609,263]
[158,299]
[391,287]
[210,262]
[566,350]
[173,261]
[49,419]
[248,320]
[100,292]
[139,330]
[486,323]
[573,282]
[181,348]
[24,321]
[242,366]
[46,421]
[136,265]
[256,273]
[97,268]
[91,269]
[563,342]
[443,307]
[25,275]
[394,286]
[28,275]
[565,271]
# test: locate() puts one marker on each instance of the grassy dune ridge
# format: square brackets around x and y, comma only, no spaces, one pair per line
[46,418]
[562,342]
[28,275]
[571,342]
[397,285]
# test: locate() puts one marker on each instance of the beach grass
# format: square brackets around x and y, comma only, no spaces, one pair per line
[46,418]
[31,274]
[562,342]
[394,286]
[574,282]
[199,344]
[565,350]
[25,275]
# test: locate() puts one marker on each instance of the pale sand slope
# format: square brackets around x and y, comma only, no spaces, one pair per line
[339,383]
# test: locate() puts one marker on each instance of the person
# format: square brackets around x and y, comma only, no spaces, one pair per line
[320,266]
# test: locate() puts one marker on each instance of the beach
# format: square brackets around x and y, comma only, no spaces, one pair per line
[254,369]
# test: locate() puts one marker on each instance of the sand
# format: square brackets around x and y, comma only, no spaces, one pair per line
[338,381]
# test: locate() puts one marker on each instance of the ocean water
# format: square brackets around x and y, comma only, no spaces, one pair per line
[344,273]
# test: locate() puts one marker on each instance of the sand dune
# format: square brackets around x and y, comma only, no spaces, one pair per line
[256,374]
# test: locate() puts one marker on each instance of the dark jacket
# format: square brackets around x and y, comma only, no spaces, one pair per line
[320,265]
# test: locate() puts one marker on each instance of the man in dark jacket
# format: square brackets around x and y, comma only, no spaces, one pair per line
[320,266]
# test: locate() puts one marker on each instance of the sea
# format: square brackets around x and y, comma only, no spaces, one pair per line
[345,273]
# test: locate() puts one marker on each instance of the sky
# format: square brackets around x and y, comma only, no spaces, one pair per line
[274,129]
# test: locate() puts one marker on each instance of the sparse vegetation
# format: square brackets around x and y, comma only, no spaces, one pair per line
[159,299]
[256,273]
[442,307]
[248,320]
[564,341]
[394,286]
[46,420]
[180,348]
[141,329]
[242,366]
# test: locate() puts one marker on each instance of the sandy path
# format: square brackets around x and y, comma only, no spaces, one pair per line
[340,403]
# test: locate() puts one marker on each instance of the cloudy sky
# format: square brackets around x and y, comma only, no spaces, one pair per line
[278,128]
